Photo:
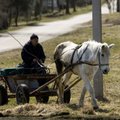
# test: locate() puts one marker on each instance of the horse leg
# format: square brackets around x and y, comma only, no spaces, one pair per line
[91,91]
[81,101]
[58,82]
[66,77]
[59,92]
[61,84]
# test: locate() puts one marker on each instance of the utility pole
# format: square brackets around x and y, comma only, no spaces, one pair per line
[97,36]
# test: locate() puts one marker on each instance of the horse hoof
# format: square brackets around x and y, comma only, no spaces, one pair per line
[95,107]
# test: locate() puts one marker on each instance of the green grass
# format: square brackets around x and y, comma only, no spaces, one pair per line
[111,34]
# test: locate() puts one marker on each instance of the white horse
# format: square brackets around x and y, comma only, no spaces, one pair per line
[85,61]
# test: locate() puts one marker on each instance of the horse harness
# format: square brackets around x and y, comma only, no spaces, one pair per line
[83,62]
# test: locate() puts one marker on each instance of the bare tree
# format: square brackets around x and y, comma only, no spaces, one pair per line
[61,5]
[67,6]
[3,14]
[118,5]
[58,4]
[74,5]
[20,6]
[26,9]
[37,9]
[41,8]
[52,5]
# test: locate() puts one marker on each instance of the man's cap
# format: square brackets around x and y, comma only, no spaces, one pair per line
[34,36]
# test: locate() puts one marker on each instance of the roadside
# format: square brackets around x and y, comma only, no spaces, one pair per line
[49,17]
[45,31]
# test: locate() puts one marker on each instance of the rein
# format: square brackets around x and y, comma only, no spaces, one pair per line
[88,63]
[83,62]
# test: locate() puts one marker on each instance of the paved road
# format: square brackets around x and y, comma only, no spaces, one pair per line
[45,31]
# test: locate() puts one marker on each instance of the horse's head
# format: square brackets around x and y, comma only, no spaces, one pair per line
[103,57]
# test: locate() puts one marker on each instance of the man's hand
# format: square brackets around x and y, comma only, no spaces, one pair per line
[35,60]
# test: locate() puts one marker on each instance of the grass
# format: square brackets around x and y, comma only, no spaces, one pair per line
[10,59]
[61,16]
[111,107]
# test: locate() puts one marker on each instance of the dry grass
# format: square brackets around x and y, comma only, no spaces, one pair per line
[42,110]
[112,19]
[10,58]
[108,107]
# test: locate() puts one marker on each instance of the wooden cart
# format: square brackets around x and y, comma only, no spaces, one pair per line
[16,83]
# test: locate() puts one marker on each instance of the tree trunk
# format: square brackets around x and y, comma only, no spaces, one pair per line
[41,8]
[27,17]
[67,6]
[16,17]
[58,4]
[10,15]
[74,5]
[118,5]
[52,5]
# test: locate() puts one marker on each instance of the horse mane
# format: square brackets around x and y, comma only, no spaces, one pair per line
[96,47]
[93,49]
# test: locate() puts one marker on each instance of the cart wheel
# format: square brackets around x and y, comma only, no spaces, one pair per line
[22,94]
[3,96]
[43,99]
[67,95]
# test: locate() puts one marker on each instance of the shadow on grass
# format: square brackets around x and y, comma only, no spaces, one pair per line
[87,109]
[102,110]
[104,99]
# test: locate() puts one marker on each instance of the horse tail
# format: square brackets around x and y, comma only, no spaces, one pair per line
[59,66]
[58,62]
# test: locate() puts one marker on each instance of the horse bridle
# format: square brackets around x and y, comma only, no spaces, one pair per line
[99,61]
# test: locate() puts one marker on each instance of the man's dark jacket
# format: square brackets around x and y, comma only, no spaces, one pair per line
[34,50]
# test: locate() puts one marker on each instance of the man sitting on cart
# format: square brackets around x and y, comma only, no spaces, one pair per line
[33,54]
